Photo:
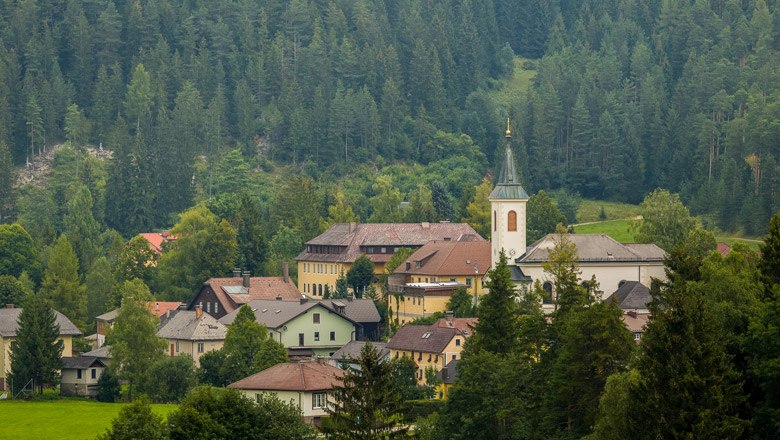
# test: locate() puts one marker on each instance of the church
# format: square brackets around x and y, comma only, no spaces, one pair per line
[612,263]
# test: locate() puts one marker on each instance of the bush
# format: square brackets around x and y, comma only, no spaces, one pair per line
[416,409]
[109,389]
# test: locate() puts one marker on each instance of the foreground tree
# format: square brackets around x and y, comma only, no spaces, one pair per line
[360,275]
[36,352]
[61,284]
[135,346]
[665,220]
[368,403]
[169,379]
[497,329]
[136,421]
[248,348]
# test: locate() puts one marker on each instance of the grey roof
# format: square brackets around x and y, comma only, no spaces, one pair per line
[595,248]
[103,352]
[508,185]
[274,313]
[108,316]
[449,374]
[9,323]
[82,362]
[183,324]
[631,295]
[351,351]
[517,274]
[358,310]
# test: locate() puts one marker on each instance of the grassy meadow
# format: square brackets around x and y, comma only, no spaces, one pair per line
[60,419]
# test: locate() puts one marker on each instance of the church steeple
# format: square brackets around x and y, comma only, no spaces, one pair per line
[508,184]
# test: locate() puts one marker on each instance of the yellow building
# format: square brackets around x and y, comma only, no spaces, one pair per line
[332,253]
[9,324]
[431,346]
[423,284]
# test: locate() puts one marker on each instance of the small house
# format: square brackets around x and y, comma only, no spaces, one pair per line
[80,376]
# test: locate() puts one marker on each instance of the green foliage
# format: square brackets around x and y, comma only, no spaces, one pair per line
[224,413]
[12,291]
[169,379]
[386,202]
[568,203]
[564,272]
[543,216]
[204,248]
[497,330]
[135,346]
[478,209]
[37,349]
[360,275]
[404,374]
[368,405]
[138,260]
[250,235]
[428,320]
[248,348]
[615,407]
[136,421]
[61,284]
[109,389]
[210,371]
[17,252]
[461,303]
[665,220]
[100,289]
[770,255]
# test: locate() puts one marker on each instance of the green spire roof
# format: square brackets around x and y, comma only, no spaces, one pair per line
[508,185]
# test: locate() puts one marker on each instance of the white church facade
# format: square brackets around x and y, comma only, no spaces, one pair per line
[611,262]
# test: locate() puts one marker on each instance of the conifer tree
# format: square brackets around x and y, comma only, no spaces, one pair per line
[36,352]
[478,209]
[248,347]
[770,256]
[61,284]
[100,288]
[368,404]
[497,329]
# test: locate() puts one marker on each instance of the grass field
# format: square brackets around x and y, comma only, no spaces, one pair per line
[617,229]
[60,419]
[589,211]
[511,91]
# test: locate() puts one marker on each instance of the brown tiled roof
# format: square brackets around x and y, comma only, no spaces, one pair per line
[422,338]
[352,237]
[156,239]
[448,258]
[464,326]
[723,248]
[156,308]
[595,248]
[303,376]
[636,322]
[259,288]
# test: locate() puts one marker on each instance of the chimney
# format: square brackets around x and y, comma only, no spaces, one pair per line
[449,314]
[9,306]
[246,279]
[425,225]
[286,272]
[352,226]
[164,234]
[278,296]
[632,313]
[304,299]
[198,311]
[236,272]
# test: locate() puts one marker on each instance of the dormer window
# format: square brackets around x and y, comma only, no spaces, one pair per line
[408,266]
[417,264]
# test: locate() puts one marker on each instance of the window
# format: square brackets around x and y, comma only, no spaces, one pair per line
[457,342]
[318,400]
[300,339]
[370,250]
[208,307]
[452,280]
[408,266]
[494,220]
[216,308]
[177,346]
[200,347]
[316,318]
[454,356]
[468,282]
[333,336]
[637,336]
[316,336]
[78,374]
[511,219]
[384,250]
[93,373]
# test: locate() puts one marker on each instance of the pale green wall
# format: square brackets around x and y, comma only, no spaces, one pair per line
[329,322]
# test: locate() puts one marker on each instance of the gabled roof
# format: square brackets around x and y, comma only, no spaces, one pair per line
[448,258]
[82,362]
[274,314]
[185,325]
[358,310]
[352,236]
[156,308]
[259,288]
[723,248]
[636,322]
[103,352]
[595,248]
[9,323]
[352,350]
[422,338]
[303,376]
[631,295]
[464,326]
[156,239]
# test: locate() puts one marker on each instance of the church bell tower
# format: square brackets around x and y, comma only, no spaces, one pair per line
[507,203]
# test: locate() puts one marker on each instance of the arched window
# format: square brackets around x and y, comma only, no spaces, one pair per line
[548,288]
[320,289]
[495,223]
[511,220]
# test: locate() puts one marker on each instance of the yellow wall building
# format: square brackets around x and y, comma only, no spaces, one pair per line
[331,253]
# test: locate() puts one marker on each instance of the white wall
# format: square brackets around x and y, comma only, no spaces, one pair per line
[609,275]
[500,237]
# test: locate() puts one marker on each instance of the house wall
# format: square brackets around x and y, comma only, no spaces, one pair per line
[513,242]
[407,308]
[71,385]
[302,399]
[608,275]
[312,274]
[304,323]
[424,360]
[5,355]
[210,302]
[190,348]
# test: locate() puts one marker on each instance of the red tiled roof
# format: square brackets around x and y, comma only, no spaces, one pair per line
[259,288]
[354,236]
[304,376]
[158,308]
[422,338]
[441,258]
[636,322]
[723,248]
[156,239]
[464,326]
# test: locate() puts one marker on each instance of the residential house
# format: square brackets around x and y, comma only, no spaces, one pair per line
[633,298]
[423,284]
[308,385]
[9,325]
[362,311]
[80,376]
[348,356]
[447,377]
[331,254]
[220,296]
[191,333]
[103,353]
[428,346]
[305,328]
[106,321]
[597,254]
[156,240]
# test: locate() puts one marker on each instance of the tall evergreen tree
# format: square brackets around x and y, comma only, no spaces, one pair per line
[497,329]
[37,349]
[61,284]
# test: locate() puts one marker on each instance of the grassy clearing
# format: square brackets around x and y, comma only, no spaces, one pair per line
[617,229]
[512,90]
[60,419]
[589,211]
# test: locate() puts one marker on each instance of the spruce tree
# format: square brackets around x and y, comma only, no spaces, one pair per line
[497,329]
[36,352]
[61,284]
[368,404]
[770,256]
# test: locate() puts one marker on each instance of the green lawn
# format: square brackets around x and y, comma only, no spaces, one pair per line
[589,211]
[60,419]
[511,91]
[617,229]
